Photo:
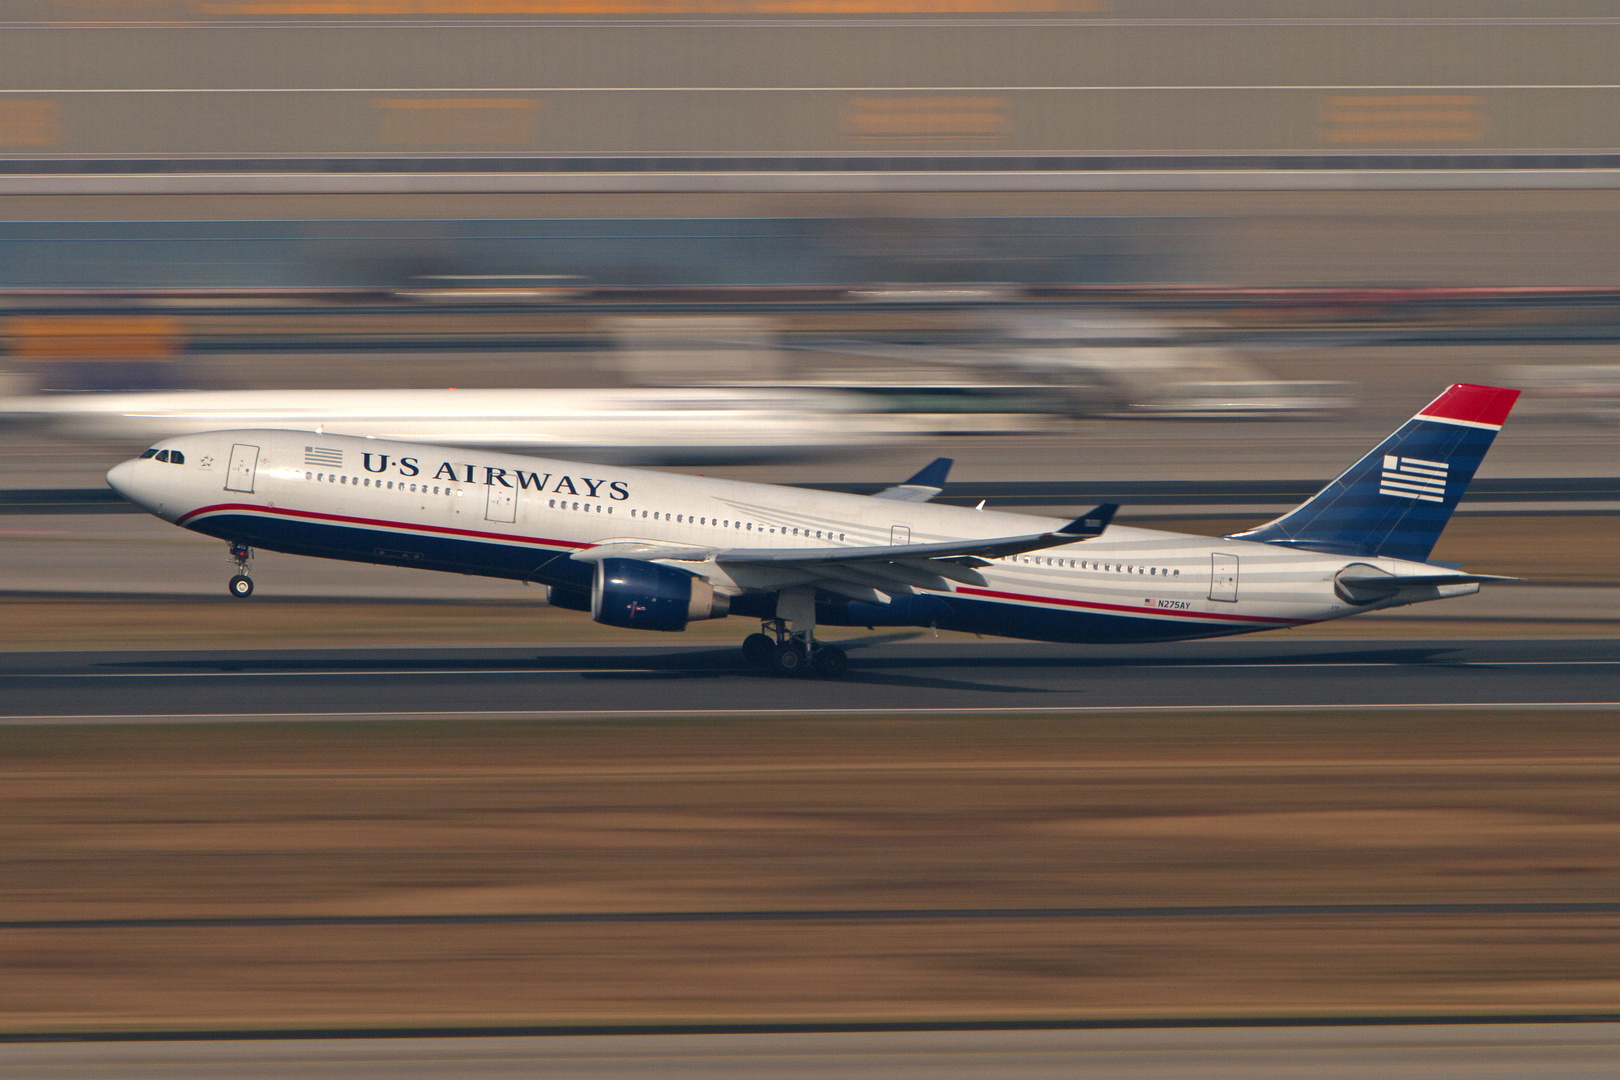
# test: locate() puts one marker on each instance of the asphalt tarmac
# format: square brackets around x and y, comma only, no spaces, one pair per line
[885,675]
[1484,1052]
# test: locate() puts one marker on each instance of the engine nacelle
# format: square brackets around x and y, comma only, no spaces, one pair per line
[560,596]
[641,595]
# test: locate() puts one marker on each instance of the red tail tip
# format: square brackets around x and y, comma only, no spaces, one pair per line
[1473,404]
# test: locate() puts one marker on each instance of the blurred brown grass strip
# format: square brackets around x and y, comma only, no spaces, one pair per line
[831,813]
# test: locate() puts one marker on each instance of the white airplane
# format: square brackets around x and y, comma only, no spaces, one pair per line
[663,425]
[655,551]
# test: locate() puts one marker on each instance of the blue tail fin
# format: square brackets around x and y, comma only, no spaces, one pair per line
[1396,500]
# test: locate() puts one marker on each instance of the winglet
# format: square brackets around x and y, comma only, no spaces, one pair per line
[933,474]
[928,482]
[1092,522]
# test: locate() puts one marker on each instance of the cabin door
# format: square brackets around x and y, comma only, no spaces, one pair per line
[502,505]
[1223,578]
[244,463]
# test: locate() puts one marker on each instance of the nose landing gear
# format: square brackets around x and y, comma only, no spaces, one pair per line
[241,586]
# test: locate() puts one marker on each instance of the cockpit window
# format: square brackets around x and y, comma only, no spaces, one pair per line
[149,453]
[163,455]
[176,458]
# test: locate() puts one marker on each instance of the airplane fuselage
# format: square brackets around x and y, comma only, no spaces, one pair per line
[526,518]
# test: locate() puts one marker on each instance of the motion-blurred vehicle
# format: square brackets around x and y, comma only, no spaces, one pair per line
[1589,392]
[1125,366]
[1107,364]
[670,425]
[656,551]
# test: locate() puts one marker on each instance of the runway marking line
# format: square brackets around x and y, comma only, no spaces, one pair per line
[831,710]
[421,672]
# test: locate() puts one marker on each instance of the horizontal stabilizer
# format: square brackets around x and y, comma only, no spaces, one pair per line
[1363,584]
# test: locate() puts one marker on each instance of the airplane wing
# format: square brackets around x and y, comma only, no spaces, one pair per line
[929,481]
[1092,523]
[863,572]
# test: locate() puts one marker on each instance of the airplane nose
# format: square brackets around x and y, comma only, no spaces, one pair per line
[119,477]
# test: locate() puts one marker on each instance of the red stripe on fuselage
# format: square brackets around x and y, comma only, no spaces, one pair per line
[377,523]
[1216,616]
[1219,616]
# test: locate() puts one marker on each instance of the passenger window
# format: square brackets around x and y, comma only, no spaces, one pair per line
[343,480]
[149,453]
[309,476]
[176,458]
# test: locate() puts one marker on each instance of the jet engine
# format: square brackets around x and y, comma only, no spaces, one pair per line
[641,595]
[559,596]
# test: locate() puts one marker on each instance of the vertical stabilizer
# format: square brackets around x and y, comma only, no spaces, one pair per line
[1397,499]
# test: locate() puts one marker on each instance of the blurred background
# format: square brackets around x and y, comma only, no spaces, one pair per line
[1194,256]
[1054,239]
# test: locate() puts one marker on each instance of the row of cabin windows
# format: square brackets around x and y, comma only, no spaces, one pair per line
[338,478]
[173,457]
[746,526]
[1087,564]
[576,506]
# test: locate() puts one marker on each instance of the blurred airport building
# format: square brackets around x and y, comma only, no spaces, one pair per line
[864,224]
[616,85]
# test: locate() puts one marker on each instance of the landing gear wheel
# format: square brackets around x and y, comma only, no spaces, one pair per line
[831,662]
[241,586]
[789,659]
[759,650]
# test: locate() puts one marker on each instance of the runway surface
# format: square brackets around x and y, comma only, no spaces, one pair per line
[1484,1052]
[884,675]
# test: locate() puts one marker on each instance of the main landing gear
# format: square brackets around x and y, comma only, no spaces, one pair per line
[782,651]
[241,585]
